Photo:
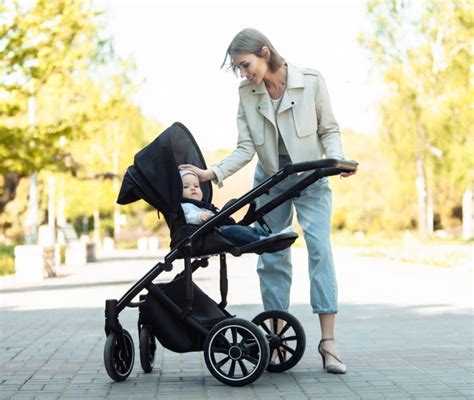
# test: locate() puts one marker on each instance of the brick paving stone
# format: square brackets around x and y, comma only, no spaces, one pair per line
[7,393]
[48,396]
[396,346]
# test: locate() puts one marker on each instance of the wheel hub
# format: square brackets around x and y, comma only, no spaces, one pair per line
[235,352]
[274,340]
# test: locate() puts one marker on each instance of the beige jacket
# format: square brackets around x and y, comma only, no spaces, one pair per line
[305,120]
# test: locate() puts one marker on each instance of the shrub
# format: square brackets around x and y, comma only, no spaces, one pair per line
[7,259]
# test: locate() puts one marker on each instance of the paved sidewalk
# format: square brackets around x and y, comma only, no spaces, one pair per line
[405,332]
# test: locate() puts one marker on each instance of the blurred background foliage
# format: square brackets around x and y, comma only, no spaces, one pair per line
[424,49]
[67,111]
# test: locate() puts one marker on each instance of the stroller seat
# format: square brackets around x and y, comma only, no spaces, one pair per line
[212,243]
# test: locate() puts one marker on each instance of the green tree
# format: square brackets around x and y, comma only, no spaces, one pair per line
[369,204]
[47,50]
[103,156]
[66,110]
[424,52]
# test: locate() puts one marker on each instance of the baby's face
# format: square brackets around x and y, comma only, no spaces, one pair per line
[191,187]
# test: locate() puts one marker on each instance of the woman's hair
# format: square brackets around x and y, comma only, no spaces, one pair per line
[251,41]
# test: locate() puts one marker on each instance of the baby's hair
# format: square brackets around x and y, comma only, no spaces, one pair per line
[184,172]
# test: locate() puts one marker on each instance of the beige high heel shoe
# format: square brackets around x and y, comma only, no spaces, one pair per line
[339,368]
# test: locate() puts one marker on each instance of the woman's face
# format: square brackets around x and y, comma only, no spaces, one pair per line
[191,187]
[251,67]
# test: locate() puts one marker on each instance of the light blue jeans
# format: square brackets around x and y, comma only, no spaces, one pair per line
[313,211]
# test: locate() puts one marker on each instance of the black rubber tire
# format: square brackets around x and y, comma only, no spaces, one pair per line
[147,346]
[235,345]
[119,355]
[291,339]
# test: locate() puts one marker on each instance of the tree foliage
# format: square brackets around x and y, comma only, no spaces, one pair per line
[47,50]
[65,107]
[423,49]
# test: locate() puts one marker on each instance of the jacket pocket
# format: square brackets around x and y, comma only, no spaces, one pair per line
[306,123]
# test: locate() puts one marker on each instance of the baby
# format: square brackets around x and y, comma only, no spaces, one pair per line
[197,212]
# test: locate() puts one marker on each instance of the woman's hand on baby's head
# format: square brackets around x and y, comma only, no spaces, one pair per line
[204,175]
[206,216]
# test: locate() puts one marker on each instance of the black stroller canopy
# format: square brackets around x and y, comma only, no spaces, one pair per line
[154,175]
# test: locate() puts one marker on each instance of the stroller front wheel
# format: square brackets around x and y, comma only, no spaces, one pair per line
[147,349]
[119,355]
[236,352]
[286,337]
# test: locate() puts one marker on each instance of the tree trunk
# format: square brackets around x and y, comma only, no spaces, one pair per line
[467,214]
[429,212]
[96,237]
[421,192]
[8,191]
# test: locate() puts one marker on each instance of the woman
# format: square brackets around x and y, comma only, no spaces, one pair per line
[284,116]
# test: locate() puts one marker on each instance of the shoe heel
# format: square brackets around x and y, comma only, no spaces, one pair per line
[332,368]
[322,356]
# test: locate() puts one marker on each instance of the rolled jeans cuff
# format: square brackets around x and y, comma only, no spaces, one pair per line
[325,311]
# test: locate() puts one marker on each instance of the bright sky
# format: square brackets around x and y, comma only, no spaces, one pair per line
[179,46]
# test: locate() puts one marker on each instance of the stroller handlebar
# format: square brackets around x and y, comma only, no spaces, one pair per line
[342,165]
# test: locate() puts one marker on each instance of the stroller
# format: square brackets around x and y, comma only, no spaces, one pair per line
[178,313]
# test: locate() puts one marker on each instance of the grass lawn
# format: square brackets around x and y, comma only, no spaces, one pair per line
[406,247]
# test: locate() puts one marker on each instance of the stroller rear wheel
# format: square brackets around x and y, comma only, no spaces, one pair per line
[286,339]
[119,355]
[236,352]
[147,349]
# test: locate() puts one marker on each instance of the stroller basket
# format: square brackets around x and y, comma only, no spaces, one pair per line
[172,332]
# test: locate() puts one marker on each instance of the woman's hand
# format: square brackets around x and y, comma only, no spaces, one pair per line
[204,175]
[347,174]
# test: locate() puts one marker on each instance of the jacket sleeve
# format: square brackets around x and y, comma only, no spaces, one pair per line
[241,156]
[328,128]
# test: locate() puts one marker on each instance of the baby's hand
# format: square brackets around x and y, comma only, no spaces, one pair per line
[206,216]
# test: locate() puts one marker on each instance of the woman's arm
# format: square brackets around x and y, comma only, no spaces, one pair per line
[241,156]
[328,128]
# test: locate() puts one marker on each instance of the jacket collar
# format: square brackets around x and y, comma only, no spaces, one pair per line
[295,81]
[290,99]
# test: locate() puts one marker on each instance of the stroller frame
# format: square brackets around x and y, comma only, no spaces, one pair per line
[259,339]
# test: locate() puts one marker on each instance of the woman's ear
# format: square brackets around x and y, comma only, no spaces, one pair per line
[265,53]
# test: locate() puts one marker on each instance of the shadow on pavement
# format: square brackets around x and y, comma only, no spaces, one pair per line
[42,288]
